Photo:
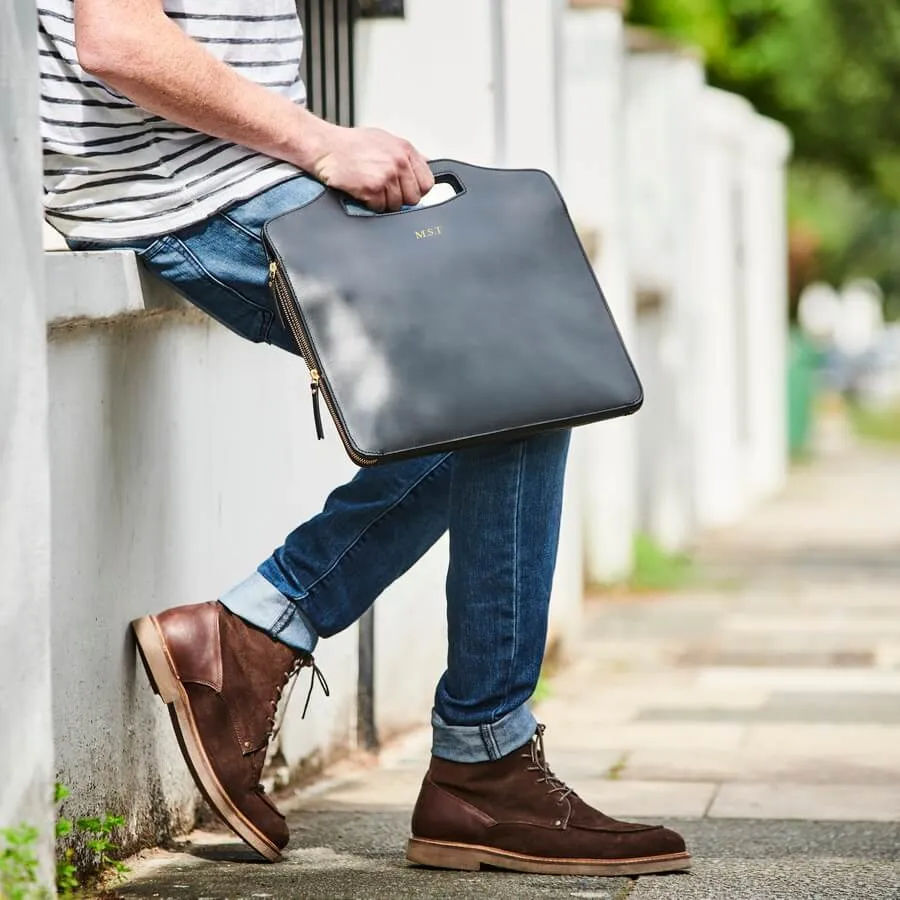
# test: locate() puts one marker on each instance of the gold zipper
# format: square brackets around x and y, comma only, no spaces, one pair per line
[283,299]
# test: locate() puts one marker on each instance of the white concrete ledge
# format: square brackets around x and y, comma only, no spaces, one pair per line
[102,285]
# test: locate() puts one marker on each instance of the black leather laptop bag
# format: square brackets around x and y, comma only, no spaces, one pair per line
[436,328]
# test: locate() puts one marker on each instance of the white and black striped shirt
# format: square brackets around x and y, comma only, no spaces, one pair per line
[114,171]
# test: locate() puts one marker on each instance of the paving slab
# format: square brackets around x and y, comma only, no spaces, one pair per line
[822,739]
[627,696]
[872,803]
[887,655]
[634,735]
[378,789]
[758,879]
[629,799]
[782,841]
[804,707]
[847,622]
[747,656]
[824,680]
[856,765]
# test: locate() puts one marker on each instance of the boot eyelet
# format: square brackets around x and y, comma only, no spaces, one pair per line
[558,822]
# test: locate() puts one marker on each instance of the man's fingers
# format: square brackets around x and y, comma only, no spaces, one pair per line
[409,186]
[374,200]
[423,174]
[393,195]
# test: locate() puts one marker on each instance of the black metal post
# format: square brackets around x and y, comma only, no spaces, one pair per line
[328,55]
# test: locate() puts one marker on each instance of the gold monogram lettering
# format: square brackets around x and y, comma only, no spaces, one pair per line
[435,231]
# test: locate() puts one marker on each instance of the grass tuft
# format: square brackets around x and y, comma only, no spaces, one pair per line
[656,569]
[882,425]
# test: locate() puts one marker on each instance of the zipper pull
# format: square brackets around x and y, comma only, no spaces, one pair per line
[273,274]
[317,414]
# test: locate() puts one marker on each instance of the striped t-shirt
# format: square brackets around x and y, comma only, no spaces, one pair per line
[114,171]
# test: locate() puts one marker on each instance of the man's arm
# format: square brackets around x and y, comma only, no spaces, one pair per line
[135,48]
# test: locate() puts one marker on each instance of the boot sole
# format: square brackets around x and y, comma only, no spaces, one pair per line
[471,858]
[166,684]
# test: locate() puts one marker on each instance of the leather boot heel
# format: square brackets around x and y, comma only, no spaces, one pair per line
[156,664]
[442,856]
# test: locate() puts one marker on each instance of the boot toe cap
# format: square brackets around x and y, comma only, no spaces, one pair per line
[657,842]
[264,815]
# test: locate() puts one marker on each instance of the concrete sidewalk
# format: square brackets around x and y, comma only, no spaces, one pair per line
[760,716]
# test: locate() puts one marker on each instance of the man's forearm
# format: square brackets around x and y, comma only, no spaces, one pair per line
[135,48]
[132,46]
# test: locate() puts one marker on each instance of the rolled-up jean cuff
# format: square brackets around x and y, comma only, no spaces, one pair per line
[482,743]
[260,603]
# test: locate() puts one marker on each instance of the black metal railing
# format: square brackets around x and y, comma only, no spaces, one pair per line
[328,59]
[328,56]
[328,51]
[371,9]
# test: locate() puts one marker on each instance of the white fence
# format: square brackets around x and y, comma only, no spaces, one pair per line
[180,455]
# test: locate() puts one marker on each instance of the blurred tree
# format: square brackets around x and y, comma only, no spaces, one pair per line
[830,70]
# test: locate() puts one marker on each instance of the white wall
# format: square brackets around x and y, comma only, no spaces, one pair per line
[530,31]
[430,78]
[26,745]
[592,164]
[742,445]
[181,456]
[411,644]
[665,242]
[721,489]
[766,150]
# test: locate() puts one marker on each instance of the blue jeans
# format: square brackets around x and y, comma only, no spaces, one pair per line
[501,503]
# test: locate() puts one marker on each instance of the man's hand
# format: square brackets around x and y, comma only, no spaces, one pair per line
[382,171]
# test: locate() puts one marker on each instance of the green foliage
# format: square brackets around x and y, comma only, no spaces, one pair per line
[100,843]
[19,864]
[542,690]
[655,569]
[617,768]
[882,425]
[18,856]
[830,70]
[66,870]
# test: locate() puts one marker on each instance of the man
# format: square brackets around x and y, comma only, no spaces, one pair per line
[177,128]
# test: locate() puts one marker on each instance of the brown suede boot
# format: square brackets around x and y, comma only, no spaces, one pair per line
[222,680]
[515,814]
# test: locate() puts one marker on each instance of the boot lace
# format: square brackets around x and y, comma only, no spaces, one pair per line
[538,760]
[302,661]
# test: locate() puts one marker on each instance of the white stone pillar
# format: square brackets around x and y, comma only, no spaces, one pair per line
[26,744]
[664,85]
[722,409]
[527,43]
[530,32]
[592,175]
[765,256]
[430,77]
